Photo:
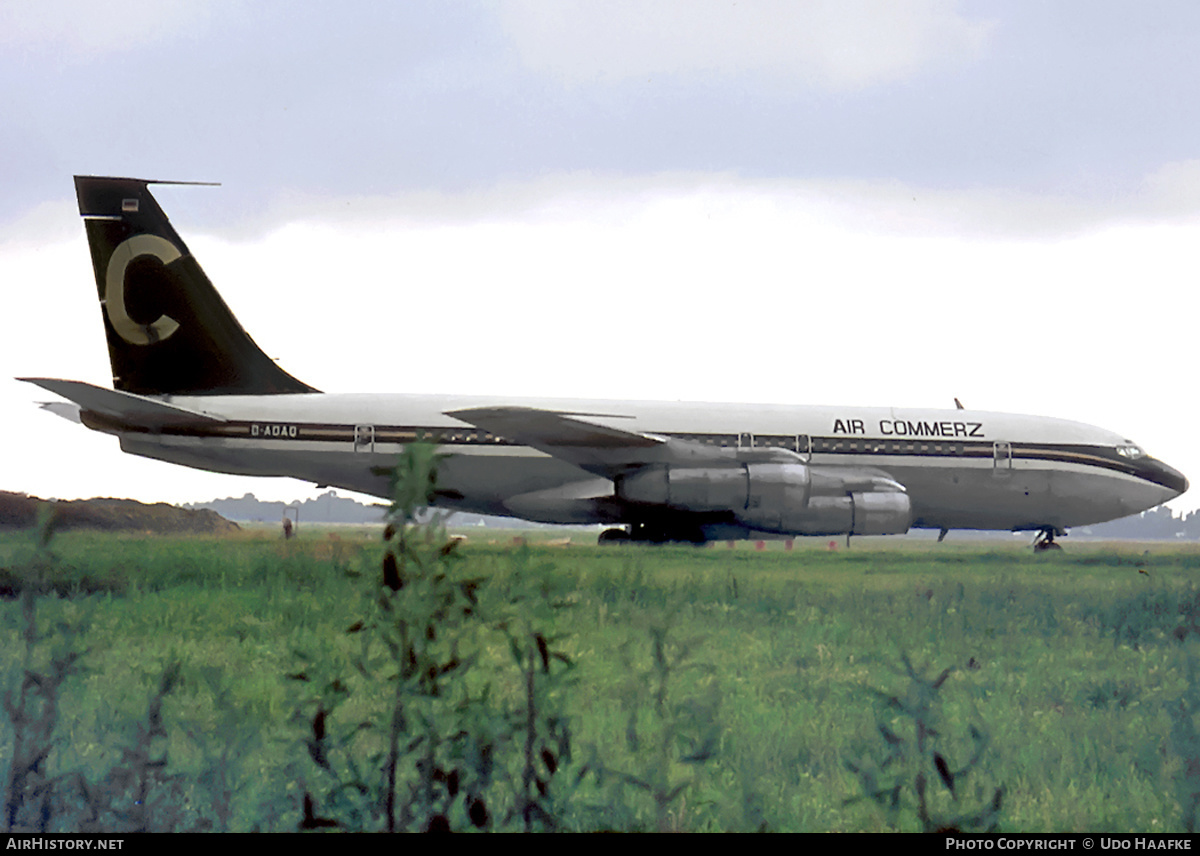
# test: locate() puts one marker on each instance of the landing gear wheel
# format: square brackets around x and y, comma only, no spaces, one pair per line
[655,533]
[613,536]
[1044,541]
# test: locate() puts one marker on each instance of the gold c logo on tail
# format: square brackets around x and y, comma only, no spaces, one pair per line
[114,290]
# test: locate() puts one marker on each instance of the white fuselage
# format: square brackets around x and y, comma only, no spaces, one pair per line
[961,468]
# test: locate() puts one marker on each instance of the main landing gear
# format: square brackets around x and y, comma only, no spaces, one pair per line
[613,536]
[645,533]
[1044,540]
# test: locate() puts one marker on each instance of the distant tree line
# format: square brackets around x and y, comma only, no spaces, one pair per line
[331,508]
[326,508]
[1154,525]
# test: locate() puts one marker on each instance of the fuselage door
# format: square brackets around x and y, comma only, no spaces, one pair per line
[1002,458]
[745,440]
[804,447]
[364,438]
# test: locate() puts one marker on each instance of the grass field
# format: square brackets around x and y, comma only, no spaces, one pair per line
[252,684]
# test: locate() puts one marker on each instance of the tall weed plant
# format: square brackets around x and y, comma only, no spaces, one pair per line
[462,680]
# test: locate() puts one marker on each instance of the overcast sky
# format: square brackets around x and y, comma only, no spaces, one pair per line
[876,203]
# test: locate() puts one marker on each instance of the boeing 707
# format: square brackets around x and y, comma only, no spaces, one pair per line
[191,387]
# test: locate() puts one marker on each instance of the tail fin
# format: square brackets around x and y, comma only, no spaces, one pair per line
[168,330]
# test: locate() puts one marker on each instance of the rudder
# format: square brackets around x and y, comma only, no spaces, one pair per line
[168,330]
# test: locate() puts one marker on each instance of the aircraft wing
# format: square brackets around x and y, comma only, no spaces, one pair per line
[602,449]
[124,407]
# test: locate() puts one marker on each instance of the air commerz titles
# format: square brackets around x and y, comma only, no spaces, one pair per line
[908,428]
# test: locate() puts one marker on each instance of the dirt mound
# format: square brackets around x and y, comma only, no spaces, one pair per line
[18,511]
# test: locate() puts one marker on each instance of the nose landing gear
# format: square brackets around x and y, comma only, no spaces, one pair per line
[1044,540]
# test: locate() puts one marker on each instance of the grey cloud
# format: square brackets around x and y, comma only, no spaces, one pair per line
[80,30]
[828,44]
[1073,104]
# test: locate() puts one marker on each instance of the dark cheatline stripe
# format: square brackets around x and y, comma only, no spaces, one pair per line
[1102,457]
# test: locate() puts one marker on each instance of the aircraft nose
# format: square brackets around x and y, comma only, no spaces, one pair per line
[1156,471]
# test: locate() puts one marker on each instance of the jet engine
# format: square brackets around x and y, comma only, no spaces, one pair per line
[792,499]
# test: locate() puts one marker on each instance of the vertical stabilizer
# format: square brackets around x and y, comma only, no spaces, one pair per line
[168,330]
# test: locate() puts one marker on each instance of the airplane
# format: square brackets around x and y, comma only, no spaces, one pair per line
[191,387]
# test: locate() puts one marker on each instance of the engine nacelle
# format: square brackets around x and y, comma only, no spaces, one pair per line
[783,498]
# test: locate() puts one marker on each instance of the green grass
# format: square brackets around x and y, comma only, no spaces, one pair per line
[1076,666]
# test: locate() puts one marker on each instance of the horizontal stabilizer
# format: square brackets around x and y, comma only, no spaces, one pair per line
[122,406]
[67,410]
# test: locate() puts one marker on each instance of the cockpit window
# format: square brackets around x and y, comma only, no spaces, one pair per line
[1131,451]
